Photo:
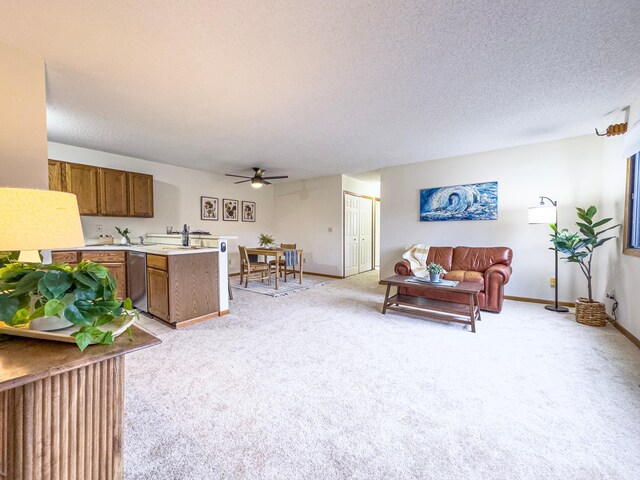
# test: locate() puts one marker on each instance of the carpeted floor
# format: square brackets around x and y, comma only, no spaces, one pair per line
[320,385]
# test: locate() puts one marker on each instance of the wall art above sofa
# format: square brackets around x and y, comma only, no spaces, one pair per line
[475,201]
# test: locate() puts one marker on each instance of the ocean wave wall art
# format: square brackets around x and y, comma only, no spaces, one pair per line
[476,201]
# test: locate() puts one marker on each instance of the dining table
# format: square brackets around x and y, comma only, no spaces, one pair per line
[278,253]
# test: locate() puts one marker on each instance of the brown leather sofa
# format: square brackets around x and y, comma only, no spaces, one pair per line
[491,267]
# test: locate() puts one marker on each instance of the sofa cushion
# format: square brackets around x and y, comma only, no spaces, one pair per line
[478,259]
[466,276]
[441,256]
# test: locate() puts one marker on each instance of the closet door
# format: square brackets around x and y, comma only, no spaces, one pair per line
[365,237]
[351,234]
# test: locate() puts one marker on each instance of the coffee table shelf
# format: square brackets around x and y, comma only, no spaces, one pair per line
[465,313]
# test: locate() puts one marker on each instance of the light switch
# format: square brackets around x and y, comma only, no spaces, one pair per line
[330,229]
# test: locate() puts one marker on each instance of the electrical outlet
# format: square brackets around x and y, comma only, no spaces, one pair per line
[99,229]
[304,260]
[330,229]
[552,282]
[611,296]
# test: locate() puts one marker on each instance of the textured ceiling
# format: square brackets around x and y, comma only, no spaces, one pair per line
[322,87]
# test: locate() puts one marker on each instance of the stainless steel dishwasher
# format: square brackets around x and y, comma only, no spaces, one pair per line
[137,279]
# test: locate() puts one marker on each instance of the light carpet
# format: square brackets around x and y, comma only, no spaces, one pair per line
[320,385]
[284,288]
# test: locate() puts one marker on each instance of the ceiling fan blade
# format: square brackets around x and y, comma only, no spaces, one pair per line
[273,178]
[242,181]
[264,182]
[239,176]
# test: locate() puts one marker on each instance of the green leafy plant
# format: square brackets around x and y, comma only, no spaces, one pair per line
[434,268]
[265,240]
[124,232]
[83,294]
[579,247]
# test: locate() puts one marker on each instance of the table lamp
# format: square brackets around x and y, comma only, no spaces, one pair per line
[32,220]
[548,214]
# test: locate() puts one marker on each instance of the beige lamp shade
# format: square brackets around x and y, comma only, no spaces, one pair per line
[542,214]
[38,220]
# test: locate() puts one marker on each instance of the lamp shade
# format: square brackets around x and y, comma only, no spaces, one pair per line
[38,220]
[542,214]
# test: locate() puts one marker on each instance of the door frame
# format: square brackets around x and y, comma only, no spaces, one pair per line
[373,231]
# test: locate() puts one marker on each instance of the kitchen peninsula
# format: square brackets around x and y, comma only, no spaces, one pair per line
[178,285]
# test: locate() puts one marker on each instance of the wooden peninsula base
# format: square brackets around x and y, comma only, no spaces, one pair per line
[183,289]
[62,411]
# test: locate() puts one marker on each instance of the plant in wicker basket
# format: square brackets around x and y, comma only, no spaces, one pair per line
[578,248]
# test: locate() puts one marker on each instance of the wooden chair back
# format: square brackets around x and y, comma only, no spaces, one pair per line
[288,246]
[244,257]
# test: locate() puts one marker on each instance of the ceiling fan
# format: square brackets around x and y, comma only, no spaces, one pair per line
[257,180]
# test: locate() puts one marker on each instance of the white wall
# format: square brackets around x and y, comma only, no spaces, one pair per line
[360,187]
[567,171]
[306,210]
[23,122]
[177,194]
[618,273]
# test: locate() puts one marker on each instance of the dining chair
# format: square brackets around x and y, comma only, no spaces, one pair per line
[283,263]
[249,269]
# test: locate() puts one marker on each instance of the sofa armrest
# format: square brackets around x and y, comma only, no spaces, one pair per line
[499,274]
[403,268]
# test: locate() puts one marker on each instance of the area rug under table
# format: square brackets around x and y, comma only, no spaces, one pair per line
[256,286]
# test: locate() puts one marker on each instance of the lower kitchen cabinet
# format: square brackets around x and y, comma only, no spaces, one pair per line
[183,289]
[119,272]
[114,260]
[158,293]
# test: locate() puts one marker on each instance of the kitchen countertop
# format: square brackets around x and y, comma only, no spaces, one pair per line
[159,249]
[205,236]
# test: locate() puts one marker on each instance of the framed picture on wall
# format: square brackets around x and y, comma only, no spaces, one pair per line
[229,210]
[248,211]
[208,208]
[475,201]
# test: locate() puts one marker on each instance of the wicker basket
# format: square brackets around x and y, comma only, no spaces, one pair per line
[591,313]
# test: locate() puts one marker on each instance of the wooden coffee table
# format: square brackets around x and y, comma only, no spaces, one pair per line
[439,309]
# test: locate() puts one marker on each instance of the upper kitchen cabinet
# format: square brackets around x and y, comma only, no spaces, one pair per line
[113,193]
[140,195]
[82,180]
[55,176]
[104,191]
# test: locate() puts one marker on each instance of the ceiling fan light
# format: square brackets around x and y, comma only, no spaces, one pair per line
[256,182]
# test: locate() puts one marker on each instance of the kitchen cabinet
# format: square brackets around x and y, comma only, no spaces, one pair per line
[183,289]
[140,195]
[113,192]
[70,257]
[158,293]
[119,272]
[82,180]
[55,176]
[104,191]
[115,261]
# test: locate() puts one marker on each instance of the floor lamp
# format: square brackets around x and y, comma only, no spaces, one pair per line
[548,214]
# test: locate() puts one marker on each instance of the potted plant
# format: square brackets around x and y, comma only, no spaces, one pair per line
[125,235]
[435,271]
[81,295]
[265,240]
[579,248]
